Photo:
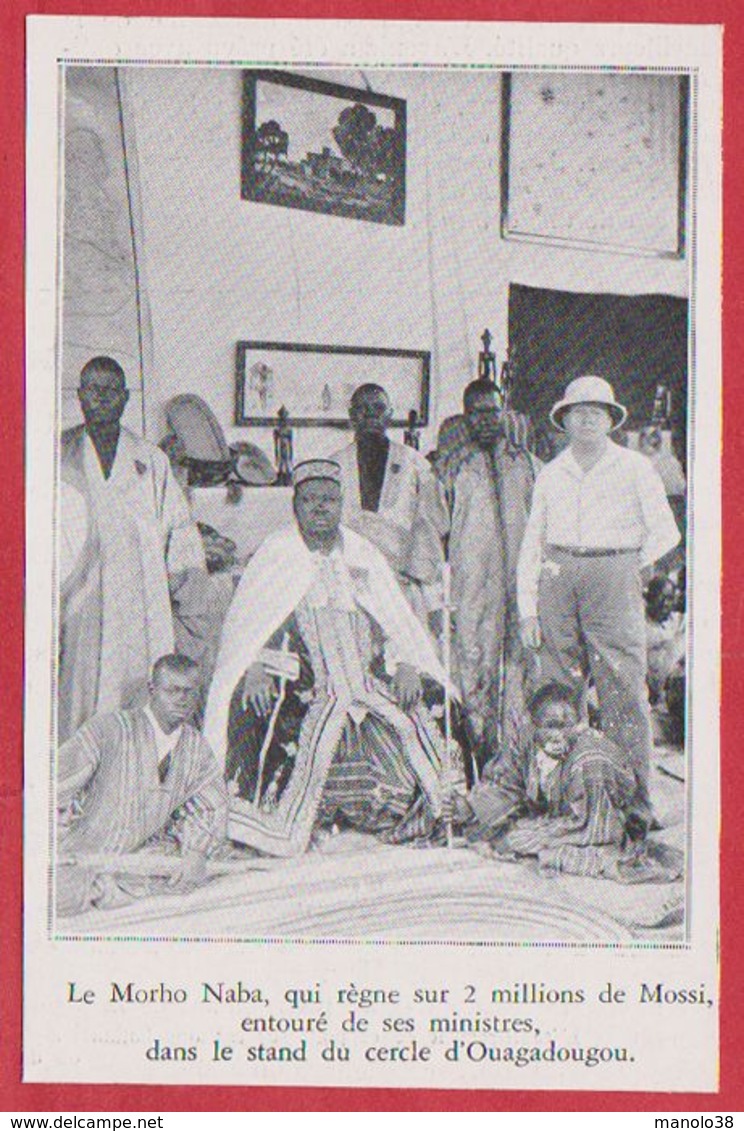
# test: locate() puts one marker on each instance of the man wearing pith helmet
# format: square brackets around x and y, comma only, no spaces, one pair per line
[599,520]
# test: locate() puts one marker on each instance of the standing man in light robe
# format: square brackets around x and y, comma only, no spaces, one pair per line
[133,780]
[319,701]
[131,557]
[491,496]
[391,496]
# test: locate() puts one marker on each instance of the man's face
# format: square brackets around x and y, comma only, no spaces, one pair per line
[370,412]
[173,697]
[317,505]
[661,601]
[483,418]
[103,397]
[555,726]
[587,422]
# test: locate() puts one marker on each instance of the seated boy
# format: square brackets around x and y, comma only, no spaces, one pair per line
[566,797]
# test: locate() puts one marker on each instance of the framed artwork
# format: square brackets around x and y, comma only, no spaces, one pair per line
[323,147]
[315,382]
[595,160]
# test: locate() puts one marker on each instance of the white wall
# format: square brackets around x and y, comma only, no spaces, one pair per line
[218,269]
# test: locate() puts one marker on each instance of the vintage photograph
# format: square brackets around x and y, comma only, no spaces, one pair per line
[426,679]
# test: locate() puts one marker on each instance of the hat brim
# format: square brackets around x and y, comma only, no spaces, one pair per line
[618,412]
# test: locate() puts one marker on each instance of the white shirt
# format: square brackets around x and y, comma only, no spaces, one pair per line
[165,743]
[547,768]
[619,504]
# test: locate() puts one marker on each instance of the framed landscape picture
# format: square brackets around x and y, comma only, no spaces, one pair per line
[315,382]
[322,147]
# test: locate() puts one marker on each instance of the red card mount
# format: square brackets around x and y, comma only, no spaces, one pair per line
[17,1096]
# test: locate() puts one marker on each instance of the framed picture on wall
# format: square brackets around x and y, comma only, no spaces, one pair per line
[315,382]
[323,147]
[595,160]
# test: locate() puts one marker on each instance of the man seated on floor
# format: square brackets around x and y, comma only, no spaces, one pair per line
[318,705]
[139,781]
[565,798]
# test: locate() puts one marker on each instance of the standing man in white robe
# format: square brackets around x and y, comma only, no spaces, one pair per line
[392,497]
[131,557]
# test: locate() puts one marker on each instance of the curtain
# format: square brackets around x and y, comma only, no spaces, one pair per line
[636,342]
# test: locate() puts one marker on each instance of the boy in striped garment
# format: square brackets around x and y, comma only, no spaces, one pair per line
[565,797]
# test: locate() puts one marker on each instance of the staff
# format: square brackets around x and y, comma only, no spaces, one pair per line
[285,665]
[283,680]
[447,659]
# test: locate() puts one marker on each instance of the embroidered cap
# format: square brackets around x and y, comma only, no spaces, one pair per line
[316,469]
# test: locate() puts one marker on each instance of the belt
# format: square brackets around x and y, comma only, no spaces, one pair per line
[590,552]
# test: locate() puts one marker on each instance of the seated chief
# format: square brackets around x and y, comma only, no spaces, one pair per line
[318,705]
[142,800]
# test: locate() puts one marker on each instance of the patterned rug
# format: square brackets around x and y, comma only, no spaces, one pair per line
[356,888]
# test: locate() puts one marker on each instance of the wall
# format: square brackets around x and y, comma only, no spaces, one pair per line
[218,269]
[99,274]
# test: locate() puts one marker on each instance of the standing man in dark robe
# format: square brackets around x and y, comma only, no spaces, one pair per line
[491,495]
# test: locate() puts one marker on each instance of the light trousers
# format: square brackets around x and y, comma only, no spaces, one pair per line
[592,622]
